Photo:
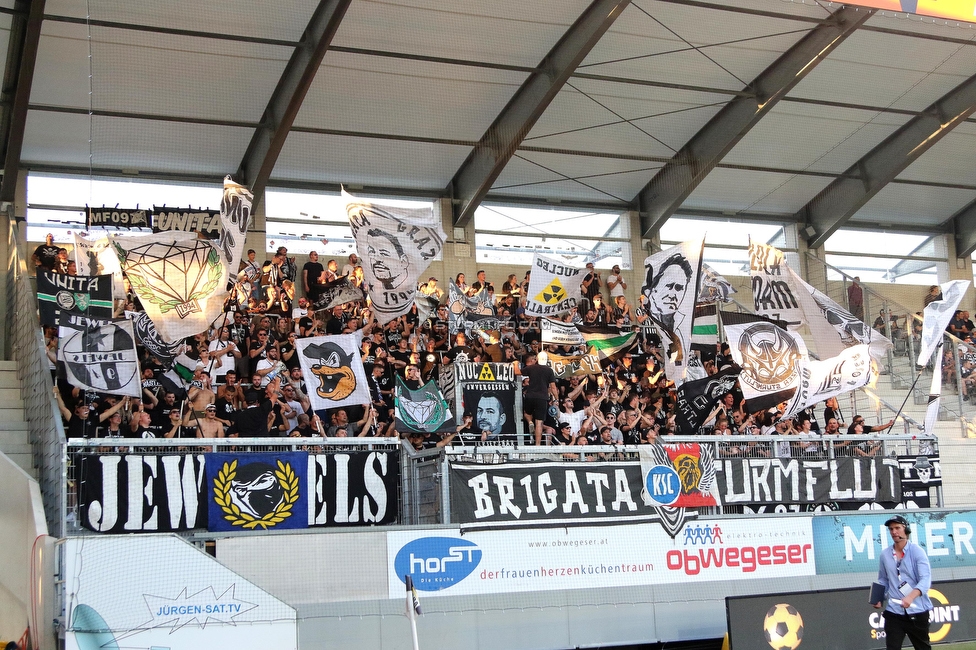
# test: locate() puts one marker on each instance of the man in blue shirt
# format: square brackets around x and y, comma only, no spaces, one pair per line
[907,576]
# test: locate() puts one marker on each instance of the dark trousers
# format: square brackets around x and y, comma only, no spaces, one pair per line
[915,626]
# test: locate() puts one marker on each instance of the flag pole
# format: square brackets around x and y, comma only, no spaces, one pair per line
[911,389]
[413,608]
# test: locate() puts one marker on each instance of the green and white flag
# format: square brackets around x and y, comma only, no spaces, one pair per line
[424,410]
[605,342]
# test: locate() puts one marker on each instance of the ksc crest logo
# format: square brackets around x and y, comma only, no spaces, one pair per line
[677,477]
[254,491]
[436,563]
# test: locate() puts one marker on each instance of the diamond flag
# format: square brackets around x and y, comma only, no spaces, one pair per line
[423,410]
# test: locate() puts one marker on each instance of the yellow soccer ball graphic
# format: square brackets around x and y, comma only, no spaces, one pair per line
[783,627]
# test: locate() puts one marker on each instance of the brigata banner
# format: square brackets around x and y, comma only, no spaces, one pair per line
[788,480]
[443,563]
[130,493]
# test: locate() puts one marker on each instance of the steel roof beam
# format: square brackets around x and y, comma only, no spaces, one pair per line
[25,36]
[692,163]
[964,229]
[497,146]
[269,138]
[841,200]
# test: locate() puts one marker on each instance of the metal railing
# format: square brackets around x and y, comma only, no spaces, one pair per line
[33,370]
[900,369]
[431,468]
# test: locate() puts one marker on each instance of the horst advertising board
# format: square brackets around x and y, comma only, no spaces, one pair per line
[442,562]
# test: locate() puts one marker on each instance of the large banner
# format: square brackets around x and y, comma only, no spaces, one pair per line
[127,493]
[333,368]
[553,287]
[423,410]
[99,356]
[771,359]
[96,256]
[89,296]
[492,394]
[811,620]
[773,292]
[397,245]
[565,367]
[442,562]
[787,480]
[195,220]
[181,280]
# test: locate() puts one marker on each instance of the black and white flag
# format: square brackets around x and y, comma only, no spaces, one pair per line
[460,305]
[560,333]
[553,287]
[696,399]
[668,296]
[397,245]
[56,292]
[338,292]
[181,280]
[99,356]
[771,359]
[149,338]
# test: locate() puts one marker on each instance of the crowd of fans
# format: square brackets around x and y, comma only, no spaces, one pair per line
[247,380]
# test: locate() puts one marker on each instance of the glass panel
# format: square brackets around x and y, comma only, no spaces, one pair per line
[879,269]
[734,233]
[882,243]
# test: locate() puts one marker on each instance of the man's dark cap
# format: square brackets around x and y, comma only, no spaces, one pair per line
[565,425]
[251,397]
[897,519]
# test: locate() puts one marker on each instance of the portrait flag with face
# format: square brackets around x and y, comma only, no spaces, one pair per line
[397,245]
[714,288]
[333,370]
[668,298]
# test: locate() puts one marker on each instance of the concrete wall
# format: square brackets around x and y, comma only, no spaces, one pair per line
[24,540]
[337,582]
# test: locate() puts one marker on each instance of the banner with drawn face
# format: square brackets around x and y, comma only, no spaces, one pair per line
[397,245]
[668,298]
[333,370]
[492,395]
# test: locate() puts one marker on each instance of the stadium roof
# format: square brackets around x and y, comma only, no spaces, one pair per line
[813,112]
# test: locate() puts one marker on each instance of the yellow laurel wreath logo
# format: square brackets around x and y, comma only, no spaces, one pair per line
[286,478]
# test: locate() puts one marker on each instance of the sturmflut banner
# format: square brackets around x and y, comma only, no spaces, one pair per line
[442,562]
[158,493]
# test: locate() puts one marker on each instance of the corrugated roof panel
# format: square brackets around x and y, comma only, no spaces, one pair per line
[950,160]
[54,138]
[504,31]
[155,74]
[915,205]
[380,95]
[365,161]
[282,19]
[816,138]
[736,190]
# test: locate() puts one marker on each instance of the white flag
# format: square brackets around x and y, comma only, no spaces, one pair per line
[397,245]
[936,317]
[95,256]
[553,287]
[99,355]
[771,359]
[181,280]
[668,296]
[333,370]
[821,380]
[773,292]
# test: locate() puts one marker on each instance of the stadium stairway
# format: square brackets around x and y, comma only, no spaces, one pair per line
[14,430]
